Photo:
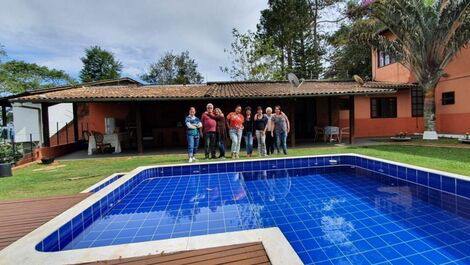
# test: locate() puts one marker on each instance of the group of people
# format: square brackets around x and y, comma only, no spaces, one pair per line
[269,129]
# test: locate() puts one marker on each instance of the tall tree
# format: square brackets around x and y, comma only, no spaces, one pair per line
[351,54]
[294,28]
[173,69]
[19,76]
[428,36]
[252,58]
[99,64]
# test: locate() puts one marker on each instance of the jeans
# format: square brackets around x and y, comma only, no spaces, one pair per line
[193,144]
[269,143]
[249,143]
[281,141]
[221,145]
[209,144]
[261,139]
[236,137]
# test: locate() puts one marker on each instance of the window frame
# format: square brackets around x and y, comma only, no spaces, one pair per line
[448,101]
[376,111]
[417,102]
[383,57]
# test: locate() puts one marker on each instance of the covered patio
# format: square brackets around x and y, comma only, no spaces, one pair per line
[149,118]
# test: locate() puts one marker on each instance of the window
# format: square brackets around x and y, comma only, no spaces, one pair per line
[383,107]
[448,98]
[417,102]
[344,104]
[385,59]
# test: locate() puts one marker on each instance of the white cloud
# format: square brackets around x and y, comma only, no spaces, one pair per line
[56,32]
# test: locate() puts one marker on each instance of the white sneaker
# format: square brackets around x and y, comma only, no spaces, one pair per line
[194,159]
[190,160]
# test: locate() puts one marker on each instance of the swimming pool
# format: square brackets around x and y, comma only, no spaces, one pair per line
[332,209]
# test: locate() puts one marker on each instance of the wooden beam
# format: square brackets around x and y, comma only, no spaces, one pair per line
[45,124]
[330,119]
[292,123]
[76,136]
[4,115]
[352,122]
[138,123]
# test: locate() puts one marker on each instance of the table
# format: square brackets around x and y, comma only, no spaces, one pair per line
[114,139]
[331,131]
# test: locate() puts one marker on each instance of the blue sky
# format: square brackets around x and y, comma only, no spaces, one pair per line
[55,33]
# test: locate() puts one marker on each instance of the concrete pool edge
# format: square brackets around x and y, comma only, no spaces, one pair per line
[102,182]
[276,245]
[23,251]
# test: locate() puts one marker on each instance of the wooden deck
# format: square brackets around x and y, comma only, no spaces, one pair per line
[244,254]
[20,217]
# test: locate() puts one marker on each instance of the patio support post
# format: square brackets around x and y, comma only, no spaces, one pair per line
[330,120]
[75,122]
[4,115]
[292,124]
[352,116]
[45,124]
[138,123]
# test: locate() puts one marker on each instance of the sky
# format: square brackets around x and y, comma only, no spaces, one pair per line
[55,33]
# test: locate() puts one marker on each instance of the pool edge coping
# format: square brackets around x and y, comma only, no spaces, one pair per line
[24,248]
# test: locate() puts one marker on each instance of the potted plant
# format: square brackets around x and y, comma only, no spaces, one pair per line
[8,156]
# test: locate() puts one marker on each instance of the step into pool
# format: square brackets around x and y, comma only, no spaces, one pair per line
[332,210]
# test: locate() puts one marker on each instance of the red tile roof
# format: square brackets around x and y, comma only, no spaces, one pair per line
[212,90]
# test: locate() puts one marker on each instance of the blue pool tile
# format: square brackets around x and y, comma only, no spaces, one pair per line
[434,180]
[422,177]
[401,172]
[418,259]
[374,256]
[389,253]
[411,175]
[448,184]
[463,188]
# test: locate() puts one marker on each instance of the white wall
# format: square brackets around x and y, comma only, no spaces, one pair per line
[27,121]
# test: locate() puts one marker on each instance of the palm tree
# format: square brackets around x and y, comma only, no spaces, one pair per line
[429,34]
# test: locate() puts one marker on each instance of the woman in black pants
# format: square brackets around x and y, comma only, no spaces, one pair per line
[269,132]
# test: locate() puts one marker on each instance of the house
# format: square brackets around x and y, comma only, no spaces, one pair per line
[403,112]
[151,116]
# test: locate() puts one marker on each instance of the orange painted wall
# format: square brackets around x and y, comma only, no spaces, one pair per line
[92,115]
[454,119]
[367,127]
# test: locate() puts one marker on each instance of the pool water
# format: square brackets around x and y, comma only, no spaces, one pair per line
[332,215]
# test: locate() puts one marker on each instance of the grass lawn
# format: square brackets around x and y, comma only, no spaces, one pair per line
[68,177]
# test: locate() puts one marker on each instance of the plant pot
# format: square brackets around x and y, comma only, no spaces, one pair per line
[47,160]
[5,170]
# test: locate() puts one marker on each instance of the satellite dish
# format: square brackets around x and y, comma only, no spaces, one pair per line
[293,80]
[358,79]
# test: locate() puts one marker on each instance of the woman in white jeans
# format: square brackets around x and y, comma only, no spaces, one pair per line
[235,124]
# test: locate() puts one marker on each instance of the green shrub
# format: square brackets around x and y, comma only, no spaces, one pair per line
[8,155]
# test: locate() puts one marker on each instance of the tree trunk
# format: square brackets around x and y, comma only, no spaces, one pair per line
[429,108]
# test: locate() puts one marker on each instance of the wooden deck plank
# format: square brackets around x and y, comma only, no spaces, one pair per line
[243,254]
[20,217]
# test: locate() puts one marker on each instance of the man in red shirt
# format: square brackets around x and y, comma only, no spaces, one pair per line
[209,128]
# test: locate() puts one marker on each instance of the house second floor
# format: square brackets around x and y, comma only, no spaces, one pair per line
[386,68]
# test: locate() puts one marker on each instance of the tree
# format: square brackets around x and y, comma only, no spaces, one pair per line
[252,58]
[351,53]
[99,64]
[428,35]
[173,69]
[19,76]
[294,28]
